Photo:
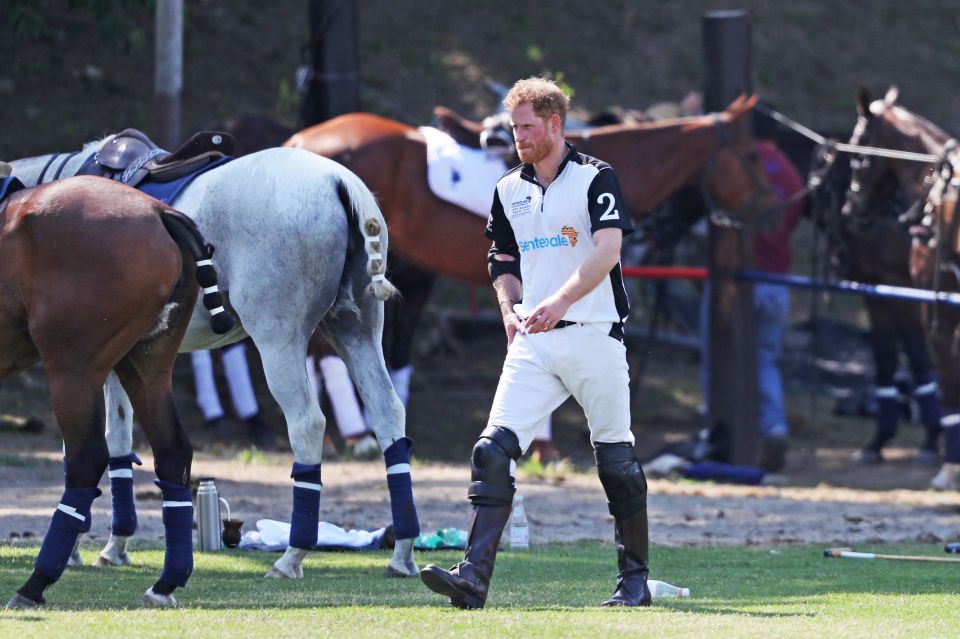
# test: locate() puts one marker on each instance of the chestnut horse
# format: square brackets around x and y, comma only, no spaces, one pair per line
[98,277]
[652,161]
[934,256]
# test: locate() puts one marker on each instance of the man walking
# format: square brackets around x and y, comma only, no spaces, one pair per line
[557,222]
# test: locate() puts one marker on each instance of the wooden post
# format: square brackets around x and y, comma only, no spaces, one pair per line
[168,77]
[732,335]
[333,85]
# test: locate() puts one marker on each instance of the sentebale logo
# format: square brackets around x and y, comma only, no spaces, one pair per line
[566,237]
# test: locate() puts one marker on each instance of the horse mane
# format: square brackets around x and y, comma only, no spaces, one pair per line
[918,127]
[96,145]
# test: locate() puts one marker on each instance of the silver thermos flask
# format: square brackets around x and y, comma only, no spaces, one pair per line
[208,516]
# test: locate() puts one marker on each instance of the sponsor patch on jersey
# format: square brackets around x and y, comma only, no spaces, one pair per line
[567,237]
[521,207]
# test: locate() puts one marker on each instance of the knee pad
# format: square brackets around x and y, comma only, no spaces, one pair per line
[622,478]
[492,484]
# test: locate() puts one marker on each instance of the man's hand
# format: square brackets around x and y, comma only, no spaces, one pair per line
[546,315]
[511,324]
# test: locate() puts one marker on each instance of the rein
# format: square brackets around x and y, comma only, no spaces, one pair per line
[56,175]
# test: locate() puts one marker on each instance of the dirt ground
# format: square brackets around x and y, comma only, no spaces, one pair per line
[821,496]
[567,507]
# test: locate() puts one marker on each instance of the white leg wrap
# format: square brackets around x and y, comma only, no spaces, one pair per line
[207,398]
[238,378]
[343,399]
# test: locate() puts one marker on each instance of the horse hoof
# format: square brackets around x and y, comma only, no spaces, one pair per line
[284,573]
[75,559]
[364,448]
[150,599]
[394,573]
[948,478]
[19,602]
[106,561]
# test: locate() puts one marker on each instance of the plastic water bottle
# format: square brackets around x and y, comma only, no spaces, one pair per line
[519,530]
[453,537]
[663,590]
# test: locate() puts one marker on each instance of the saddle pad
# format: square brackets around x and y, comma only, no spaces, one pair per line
[9,186]
[461,175]
[167,192]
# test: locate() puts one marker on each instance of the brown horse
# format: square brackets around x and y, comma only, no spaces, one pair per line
[95,277]
[652,160]
[934,256]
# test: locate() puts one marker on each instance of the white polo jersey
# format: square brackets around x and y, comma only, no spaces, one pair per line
[551,232]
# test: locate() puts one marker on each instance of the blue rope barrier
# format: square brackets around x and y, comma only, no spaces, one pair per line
[845,286]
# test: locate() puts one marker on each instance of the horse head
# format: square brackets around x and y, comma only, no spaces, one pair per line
[884,124]
[497,136]
[734,180]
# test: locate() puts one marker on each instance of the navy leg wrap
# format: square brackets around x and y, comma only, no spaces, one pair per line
[178,532]
[927,396]
[888,413]
[306,505]
[121,492]
[406,523]
[71,518]
[951,435]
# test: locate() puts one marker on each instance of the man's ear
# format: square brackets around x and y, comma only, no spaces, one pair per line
[556,122]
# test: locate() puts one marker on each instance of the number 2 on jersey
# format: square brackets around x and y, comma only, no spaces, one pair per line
[611,213]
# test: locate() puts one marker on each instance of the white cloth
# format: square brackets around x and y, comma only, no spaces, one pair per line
[461,175]
[543,369]
[275,535]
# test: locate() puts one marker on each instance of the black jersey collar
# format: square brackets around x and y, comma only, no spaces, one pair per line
[528,173]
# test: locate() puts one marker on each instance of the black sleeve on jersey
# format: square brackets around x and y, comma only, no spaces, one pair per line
[605,203]
[504,242]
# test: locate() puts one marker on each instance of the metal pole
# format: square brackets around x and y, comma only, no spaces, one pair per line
[333,85]
[732,349]
[168,79]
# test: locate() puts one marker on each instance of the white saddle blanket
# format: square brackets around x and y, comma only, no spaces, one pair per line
[461,175]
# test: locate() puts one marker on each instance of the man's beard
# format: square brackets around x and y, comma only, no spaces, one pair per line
[535,153]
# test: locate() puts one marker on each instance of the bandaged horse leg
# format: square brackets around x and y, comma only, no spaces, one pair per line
[927,395]
[79,411]
[307,489]
[178,542]
[120,444]
[358,343]
[948,477]
[406,524]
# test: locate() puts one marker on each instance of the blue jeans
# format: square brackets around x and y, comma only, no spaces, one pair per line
[771,307]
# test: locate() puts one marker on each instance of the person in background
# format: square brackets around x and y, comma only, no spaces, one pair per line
[771,303]
[245,406]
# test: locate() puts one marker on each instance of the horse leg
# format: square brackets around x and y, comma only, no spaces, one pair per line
[77,404]
[359,346]
[306,424]
[883,338]
[401,317]
[146,374]
[946,343]
[122,458]
[926,390]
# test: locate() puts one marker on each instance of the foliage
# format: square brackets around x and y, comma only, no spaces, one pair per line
[549,591]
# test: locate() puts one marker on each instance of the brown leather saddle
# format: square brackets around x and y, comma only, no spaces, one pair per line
[131,157]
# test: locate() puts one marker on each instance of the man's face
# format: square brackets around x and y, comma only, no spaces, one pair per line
[534,136]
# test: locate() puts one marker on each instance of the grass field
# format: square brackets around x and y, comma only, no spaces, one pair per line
[551,591]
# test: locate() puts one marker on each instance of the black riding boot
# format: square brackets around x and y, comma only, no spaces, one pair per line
[466,583]
[630,535]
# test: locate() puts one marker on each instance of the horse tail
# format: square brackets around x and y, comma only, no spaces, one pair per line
[360,204]
[185,233]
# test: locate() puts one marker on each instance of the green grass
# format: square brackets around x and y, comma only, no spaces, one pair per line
[548,592]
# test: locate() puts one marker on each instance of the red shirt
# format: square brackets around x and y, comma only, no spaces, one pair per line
[771,252]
